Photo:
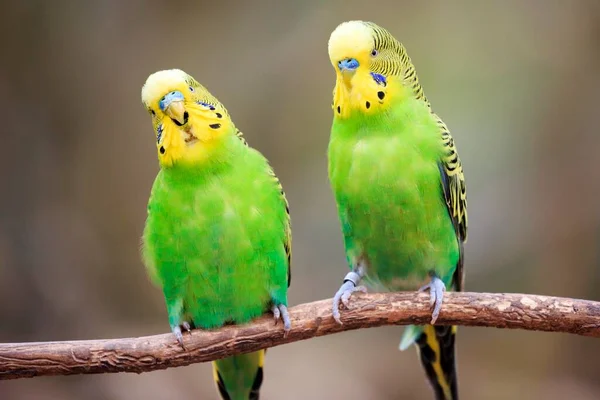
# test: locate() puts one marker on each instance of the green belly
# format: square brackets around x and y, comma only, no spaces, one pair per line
[217,245]
[393,212]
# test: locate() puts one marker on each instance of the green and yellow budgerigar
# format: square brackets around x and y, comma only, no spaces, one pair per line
[399,186]
[217,238]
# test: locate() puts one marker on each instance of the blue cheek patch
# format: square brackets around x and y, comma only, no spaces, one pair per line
[159,132]
[380,79]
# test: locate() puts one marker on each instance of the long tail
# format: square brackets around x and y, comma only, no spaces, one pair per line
[239,377]
[436,350]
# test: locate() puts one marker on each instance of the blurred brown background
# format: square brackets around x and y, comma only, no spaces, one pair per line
[518,82]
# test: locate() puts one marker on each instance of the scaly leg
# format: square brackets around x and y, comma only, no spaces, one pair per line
[436,291]
[176,315]
[350,285]
[176,329]
[281,311]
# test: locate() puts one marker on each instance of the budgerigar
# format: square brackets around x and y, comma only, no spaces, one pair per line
[399,186]
[217,238]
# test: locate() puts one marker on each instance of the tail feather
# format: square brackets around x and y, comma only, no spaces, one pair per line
[436,350]
[255,390]
[220,383]
[239,377]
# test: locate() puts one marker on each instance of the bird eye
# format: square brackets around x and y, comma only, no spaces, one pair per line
[374,52]
[152,112]
[191,89]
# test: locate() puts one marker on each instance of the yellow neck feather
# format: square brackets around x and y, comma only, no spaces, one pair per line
[209,133]
[360,93]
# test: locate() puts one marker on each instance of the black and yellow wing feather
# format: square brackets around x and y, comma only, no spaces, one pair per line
[437,343]
[455,194]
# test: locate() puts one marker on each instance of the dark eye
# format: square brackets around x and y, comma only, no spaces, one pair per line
[191,89]
[374,52]
[152,112]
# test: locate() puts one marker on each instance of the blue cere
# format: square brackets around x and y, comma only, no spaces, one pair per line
[348,64]
[169,98]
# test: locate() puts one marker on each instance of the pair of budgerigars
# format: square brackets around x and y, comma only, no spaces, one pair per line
[218,239]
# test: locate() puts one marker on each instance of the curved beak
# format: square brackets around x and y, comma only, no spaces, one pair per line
[172,105]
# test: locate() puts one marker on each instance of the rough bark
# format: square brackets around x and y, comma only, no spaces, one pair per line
[514,311]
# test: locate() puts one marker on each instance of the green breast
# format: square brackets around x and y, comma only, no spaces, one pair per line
[215,236]
[385,177]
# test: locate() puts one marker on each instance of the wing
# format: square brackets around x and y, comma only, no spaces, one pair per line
[146,249]
[287,242]
[455,194]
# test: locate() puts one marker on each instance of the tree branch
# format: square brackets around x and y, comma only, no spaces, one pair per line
[515,311]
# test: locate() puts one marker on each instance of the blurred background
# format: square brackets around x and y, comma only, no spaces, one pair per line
[518,83]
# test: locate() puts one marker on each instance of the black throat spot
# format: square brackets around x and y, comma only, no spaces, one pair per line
[186,116]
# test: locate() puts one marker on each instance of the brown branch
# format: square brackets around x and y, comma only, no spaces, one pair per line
[515,311]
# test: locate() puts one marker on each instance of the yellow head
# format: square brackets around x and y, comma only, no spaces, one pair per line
[187,120]
[371,67]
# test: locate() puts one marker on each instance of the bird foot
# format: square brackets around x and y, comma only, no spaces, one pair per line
[178,333]
[344,292]
[281,312]
[436,295]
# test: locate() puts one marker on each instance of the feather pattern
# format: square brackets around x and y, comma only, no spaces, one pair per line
[217,238]
[381,114]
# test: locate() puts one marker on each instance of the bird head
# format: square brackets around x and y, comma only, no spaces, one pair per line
[369,63]
[186,118]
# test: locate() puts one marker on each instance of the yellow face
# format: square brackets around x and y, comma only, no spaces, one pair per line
[366,59]
[352,40]
[186,118]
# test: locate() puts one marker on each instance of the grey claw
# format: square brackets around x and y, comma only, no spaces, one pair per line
[346,296]
[186,325]
[436,296]
[343,295]
[424,288]
[177,331]
[285,316]
[276,313]
[335,309]
[281,311]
